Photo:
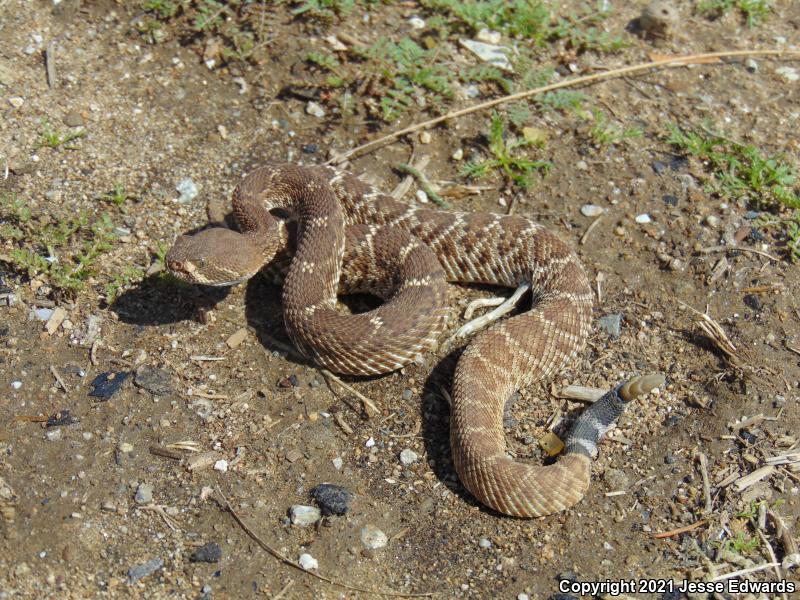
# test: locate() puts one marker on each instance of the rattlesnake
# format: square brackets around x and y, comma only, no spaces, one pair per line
[352,236]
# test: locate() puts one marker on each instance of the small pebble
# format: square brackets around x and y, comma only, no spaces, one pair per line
[522,596]
[208,553]
[643,218]
[659,167]
[592,210]
[458,154]
[16,101]
[303,516]
[408,457]
[670,199]
[484,543]
[315,109]
[187,189]
[422,196]
[53,435]
[711,220]
[221,466]
[43,314]
[751,65]
[488,36]
[308,562]
[582,165]
[332,499]
[373,538]
[611,324]
[310,149]
[407,394]
[16,385]
[425,137]
[107,384]
[337,463]
[156,381]
[145,569]
[144,494]
[73,119]
[370,442]
[416,23]
[658,19]
[790,74]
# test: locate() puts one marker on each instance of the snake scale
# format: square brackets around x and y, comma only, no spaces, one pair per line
[351,237]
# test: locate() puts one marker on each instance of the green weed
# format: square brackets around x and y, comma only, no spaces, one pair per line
[754,11]
[121,280]
[54,138]
[405,70]
[532,20]
[516,169]
[741,172]
[65,251]
[604,133]
[117,196]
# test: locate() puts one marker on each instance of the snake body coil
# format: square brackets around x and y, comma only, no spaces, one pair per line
[351,236]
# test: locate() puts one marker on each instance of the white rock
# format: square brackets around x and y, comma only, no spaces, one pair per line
[303,516]
[489,53]
[790,74]
[422,196]
[315,109]
[370,442]
[221,465]
[308,562]
[408,457]
[592,210]
[53,434]
[458,154]
[16,384]
[16,101]
[488,36]
[522,596]
[643,218]
[373,538]
[425,137]
[337,463]
[416,23]
[187,189]
[484,543]
[712,221]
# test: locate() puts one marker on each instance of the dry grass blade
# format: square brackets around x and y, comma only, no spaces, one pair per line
[736,357]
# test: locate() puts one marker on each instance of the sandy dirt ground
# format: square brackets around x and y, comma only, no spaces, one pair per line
[125,497]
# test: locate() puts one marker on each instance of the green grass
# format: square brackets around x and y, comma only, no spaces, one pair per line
[531,20]
[402,72]
[65,252]
[503,147]
[753,11]
[604,133]
[54,138]
[117,196]
[742,172]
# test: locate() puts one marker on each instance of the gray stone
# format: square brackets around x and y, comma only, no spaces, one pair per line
[145,569]
[611,324]
[408,457]
[154,380]
[144,494]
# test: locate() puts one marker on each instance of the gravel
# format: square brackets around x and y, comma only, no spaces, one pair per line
[207,553]
[144,494]
[408,457]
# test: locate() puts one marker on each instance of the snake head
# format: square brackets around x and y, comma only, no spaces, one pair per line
[216,256]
